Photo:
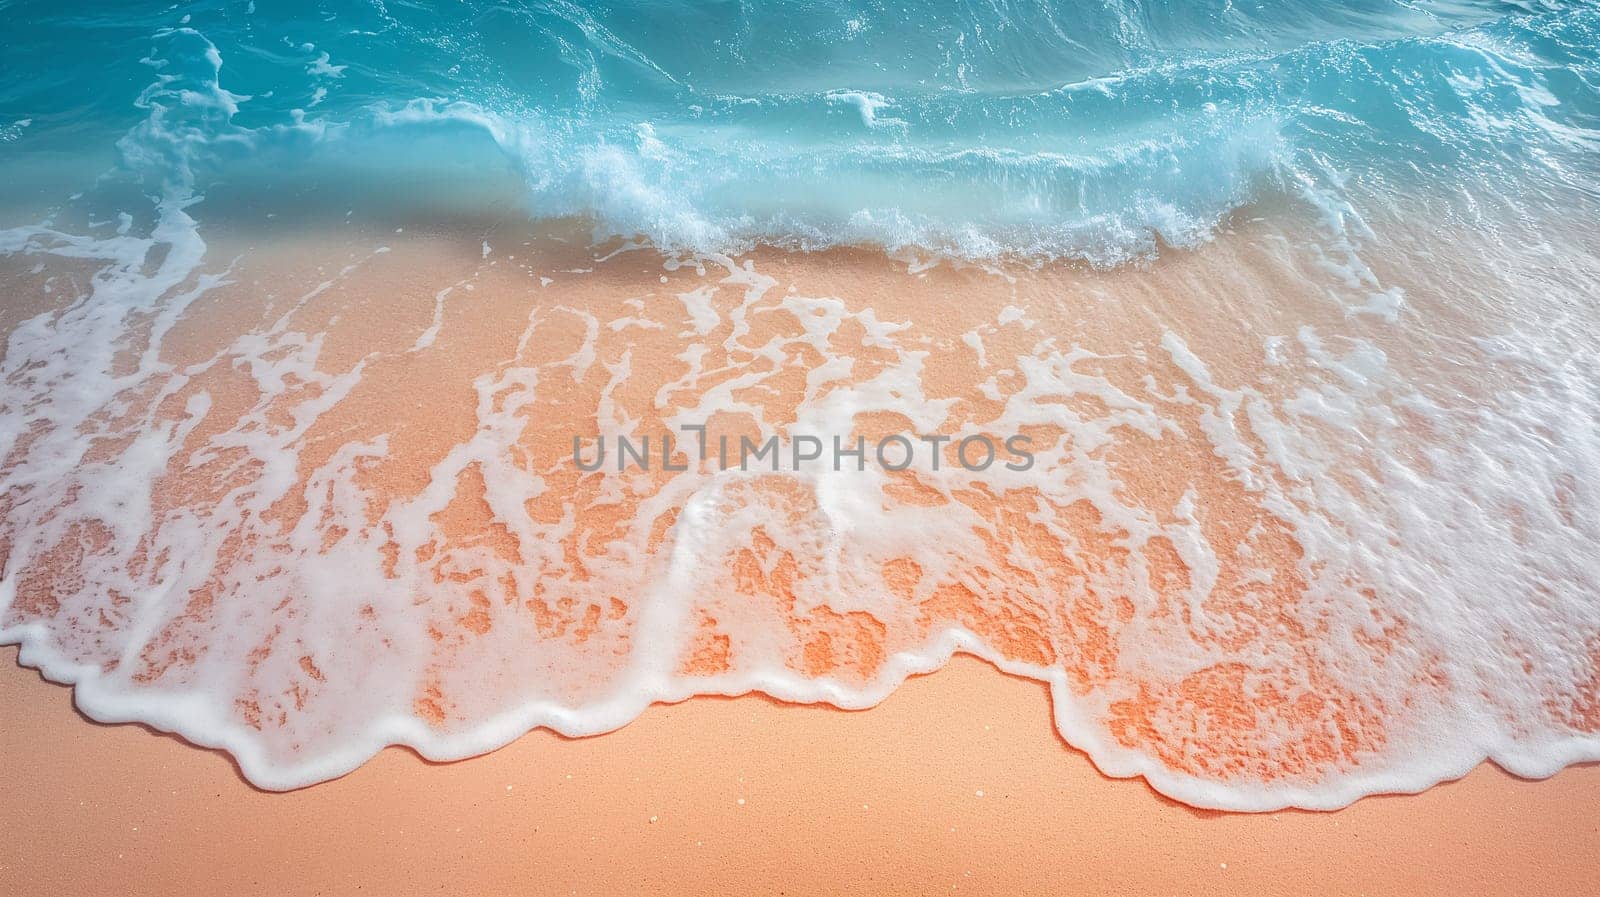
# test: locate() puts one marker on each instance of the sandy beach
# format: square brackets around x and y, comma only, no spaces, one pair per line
[411,398]
[794,449]
[955,784]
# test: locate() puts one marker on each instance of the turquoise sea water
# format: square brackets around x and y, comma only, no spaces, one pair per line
[1090,130]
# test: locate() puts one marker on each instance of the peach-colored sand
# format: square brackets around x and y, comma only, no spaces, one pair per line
[956,784]
[425,323]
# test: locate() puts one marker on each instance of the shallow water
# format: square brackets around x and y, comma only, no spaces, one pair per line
[1293,310]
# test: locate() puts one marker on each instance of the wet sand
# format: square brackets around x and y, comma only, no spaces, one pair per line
[957,783]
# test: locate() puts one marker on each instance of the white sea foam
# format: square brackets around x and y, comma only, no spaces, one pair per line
[1446,606]
[1346,547]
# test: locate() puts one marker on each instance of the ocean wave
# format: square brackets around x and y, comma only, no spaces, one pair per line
[1153,141]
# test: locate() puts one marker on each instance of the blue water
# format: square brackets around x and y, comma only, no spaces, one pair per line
[1089,130]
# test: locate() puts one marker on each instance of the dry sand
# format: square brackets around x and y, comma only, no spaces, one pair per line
[956,784]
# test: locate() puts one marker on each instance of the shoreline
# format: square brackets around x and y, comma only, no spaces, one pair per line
[510,449]
[443,415]
[908,798]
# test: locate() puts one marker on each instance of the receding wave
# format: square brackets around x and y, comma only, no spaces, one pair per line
[1291,311]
